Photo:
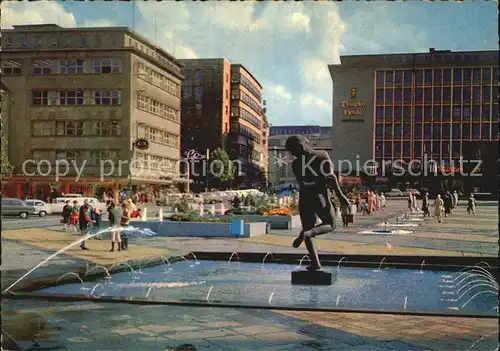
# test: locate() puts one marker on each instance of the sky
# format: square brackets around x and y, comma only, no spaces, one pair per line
[286,45]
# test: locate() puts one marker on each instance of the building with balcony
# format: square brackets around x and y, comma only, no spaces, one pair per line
[280,160]
[434,113]
[222,107]
[84,95]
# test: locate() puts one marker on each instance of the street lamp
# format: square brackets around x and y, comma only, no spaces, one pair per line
[139,144]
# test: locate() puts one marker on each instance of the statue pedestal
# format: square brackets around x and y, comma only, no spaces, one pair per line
[313,277]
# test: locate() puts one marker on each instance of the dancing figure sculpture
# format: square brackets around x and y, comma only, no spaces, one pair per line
[314,174]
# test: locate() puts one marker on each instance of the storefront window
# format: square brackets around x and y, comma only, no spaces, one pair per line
[476,95]
[407,77]
[389,95]
[447,95]
[398,95]
[446,76]
[486,76]
[419,95]
[437,95]
[476,131]
[466,94]
[407,96]
[427,147]
[436,131]
[406,130]
[427,131]
[446,113]
[457,113]
[428,113]
[406,149]
[436,113]
[389,78]
[445,146]
[378,149]
[418,113]
[486,95]
[418,131]
[485,131]
[457,95]
[476,113]
[399,78]
[398,113]
[457,76]
[456,131]
[388,130]
[428,77]
[380,97]
[417,149]
[379,131]
[406,114]
[388,150]
[380,79]
[397,149]
[397,130]
[388,114]
[466,113]
[446,132]
[436,147]
[379,114]
[455,149]
[466,131]
[438,75]
[486,113]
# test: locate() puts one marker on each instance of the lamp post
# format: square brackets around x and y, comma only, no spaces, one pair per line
[207,168]
[139,144]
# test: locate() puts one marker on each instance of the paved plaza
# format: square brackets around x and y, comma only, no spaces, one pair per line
[49,325]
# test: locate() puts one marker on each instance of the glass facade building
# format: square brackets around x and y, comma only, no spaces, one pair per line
[434,112]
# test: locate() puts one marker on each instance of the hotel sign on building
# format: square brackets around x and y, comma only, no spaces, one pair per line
[353,107]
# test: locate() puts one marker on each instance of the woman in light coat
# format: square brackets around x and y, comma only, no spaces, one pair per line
[438,208]
[383,203]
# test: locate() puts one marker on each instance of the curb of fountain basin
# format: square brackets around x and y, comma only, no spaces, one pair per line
[438,263]
[48,281]
[219,304]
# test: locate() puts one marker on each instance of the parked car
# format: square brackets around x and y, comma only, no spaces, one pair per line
[41,208]
[394,193]
[16,207]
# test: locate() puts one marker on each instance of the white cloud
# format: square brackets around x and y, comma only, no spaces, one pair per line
[298,20]
[309,100]
[100,23]
[36,12]
[282,93]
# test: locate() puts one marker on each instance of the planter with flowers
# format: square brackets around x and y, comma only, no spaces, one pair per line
[276,217]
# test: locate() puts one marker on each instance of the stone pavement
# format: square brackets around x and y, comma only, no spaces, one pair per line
[70,326]
[104,326]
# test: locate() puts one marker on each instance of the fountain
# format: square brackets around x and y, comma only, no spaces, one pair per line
[264,259]
[406,300]
[422,266]
[302,260]
[337,301]
[96,267]
[70,273]
[209,292]
[338,265]
[231,257]
[95,287]
[270,298]
[149,290]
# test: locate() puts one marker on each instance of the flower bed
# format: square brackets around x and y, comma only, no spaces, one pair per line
[280,211]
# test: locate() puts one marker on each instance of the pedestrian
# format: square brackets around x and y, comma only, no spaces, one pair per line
[97,218]
[114,216]
[383,202]
[410,203]
[471,205]
[438,208]
[414,201]
[85,224]
[345,211]
[73,220]
[448,203]
[425,205]
[378,205]
[455,199]
[125,222]
[66,214]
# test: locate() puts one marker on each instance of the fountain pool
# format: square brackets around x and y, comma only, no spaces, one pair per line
[384,289]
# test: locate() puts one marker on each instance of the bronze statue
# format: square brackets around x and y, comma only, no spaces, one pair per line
[314,174]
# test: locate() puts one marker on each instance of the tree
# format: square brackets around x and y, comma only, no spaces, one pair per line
[262,176]
[221,167]
[6,167]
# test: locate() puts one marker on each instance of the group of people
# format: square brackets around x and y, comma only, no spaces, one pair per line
[369,202]
[86,218]
[445,204]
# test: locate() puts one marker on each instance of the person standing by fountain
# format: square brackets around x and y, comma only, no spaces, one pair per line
[314,174]
[425,205]
[85,223]
[383,202]
[438,208]
[125,222]
[66,214]
[471,205]
[114,221]
[455,198]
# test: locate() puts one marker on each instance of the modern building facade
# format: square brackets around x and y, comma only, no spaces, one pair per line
[280,160]
[421,112]
[222,107]
[84,95]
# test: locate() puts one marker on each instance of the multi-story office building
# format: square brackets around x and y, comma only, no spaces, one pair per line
[222,107]
[280,160]
[440,106]
[84,95]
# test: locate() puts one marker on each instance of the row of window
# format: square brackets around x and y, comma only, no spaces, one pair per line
[435,149]
[240,78]
[156,162]
[444,113]
[64,66]
[75,128]
[158,79]
[485,131]
[156,107]
[246,115]
[437,77]
[428,96]
[92,157]
[153,53]
[37,42]
[76,97]
[247,132]
[241,95]
[161,136]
